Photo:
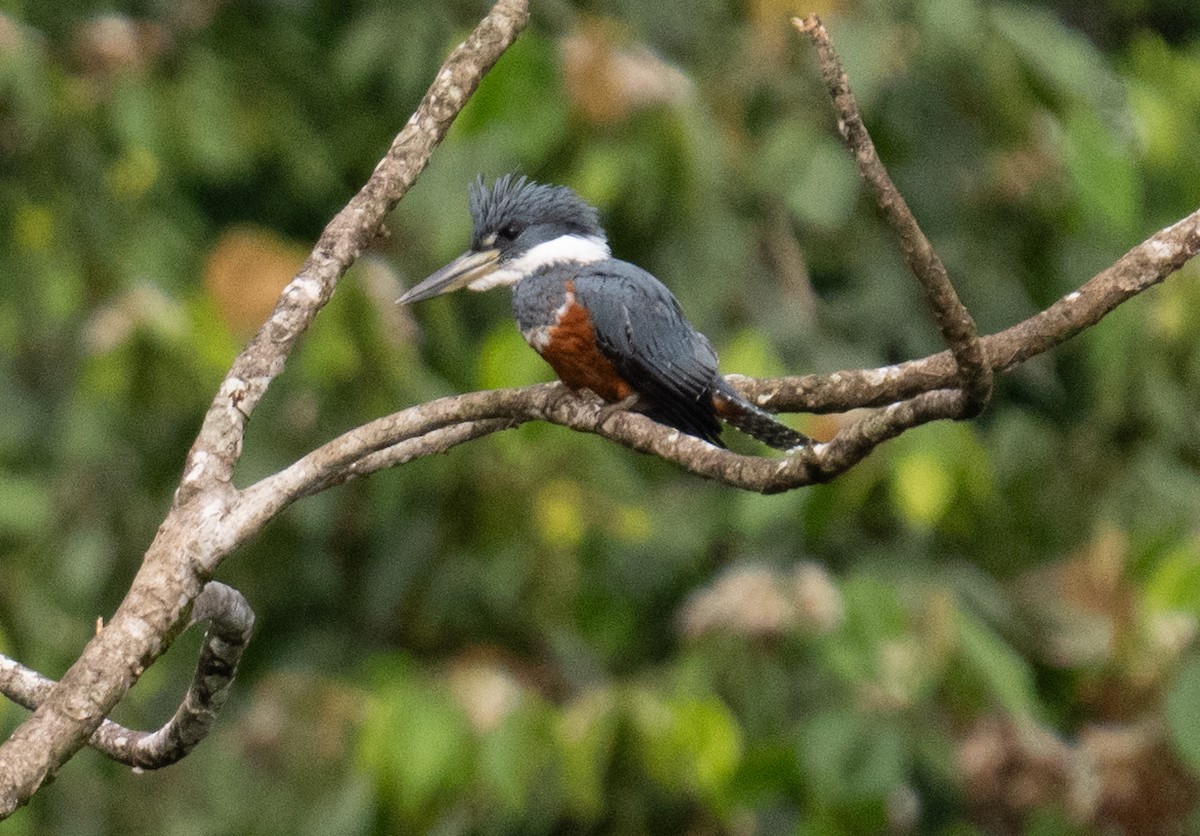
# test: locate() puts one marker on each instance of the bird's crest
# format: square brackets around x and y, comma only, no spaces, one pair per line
[515,200]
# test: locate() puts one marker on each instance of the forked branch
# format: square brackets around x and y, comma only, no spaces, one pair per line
[194,538]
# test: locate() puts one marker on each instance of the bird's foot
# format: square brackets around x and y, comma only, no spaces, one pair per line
[626,404]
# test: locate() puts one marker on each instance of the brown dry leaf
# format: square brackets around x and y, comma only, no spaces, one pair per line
[1084,606]
[245,272]
[763,602]
[114,43]
[607,81]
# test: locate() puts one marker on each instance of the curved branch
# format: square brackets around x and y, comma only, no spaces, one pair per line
[230,623]
[917,391]
[436,426]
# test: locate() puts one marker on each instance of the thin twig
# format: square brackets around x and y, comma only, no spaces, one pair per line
[952,317]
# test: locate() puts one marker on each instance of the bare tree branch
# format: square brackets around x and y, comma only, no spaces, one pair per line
[230,622]
[192,541]
[435,426]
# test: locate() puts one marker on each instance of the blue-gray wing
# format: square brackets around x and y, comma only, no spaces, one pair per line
[642,330]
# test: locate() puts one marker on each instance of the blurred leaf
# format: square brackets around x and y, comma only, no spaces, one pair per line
[414,742]
[1103,171]
[1004,675]
[874,615]
[132,176]
[955,24]
[600,173]
[214,344]
[558,514]
[1183,707]
[517,762]
[750,354]
[923,488]
[520,103]
[33,228]
[1165,97]
[1062,58]
[872,50]
[632,524]
[24,82]
[826,188]
[205,127]
[851,758]
[586,733]
[1175,581]
[394,43]
[935,470]
[330,353]
[506,360]
[24,506]
[690,743]
[136,118]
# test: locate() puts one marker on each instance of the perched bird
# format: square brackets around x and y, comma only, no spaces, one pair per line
[601,323]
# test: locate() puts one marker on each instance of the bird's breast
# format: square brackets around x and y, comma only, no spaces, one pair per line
[559,327]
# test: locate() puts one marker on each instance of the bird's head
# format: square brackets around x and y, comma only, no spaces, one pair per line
[519,227]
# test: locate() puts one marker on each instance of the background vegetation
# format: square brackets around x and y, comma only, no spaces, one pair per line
[542,632]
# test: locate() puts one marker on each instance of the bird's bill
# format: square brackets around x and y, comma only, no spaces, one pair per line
[467,268]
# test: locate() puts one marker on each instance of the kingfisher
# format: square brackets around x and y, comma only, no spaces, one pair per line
[601,323]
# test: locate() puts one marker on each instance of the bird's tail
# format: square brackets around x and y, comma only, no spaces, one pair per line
[745,416]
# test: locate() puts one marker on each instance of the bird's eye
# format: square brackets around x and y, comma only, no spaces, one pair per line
[509,232]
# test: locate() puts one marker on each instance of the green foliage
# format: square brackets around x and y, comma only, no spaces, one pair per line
[689,745]
[540,632]
[1006,677]
[1183,703]
[852,766]
[417,746]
